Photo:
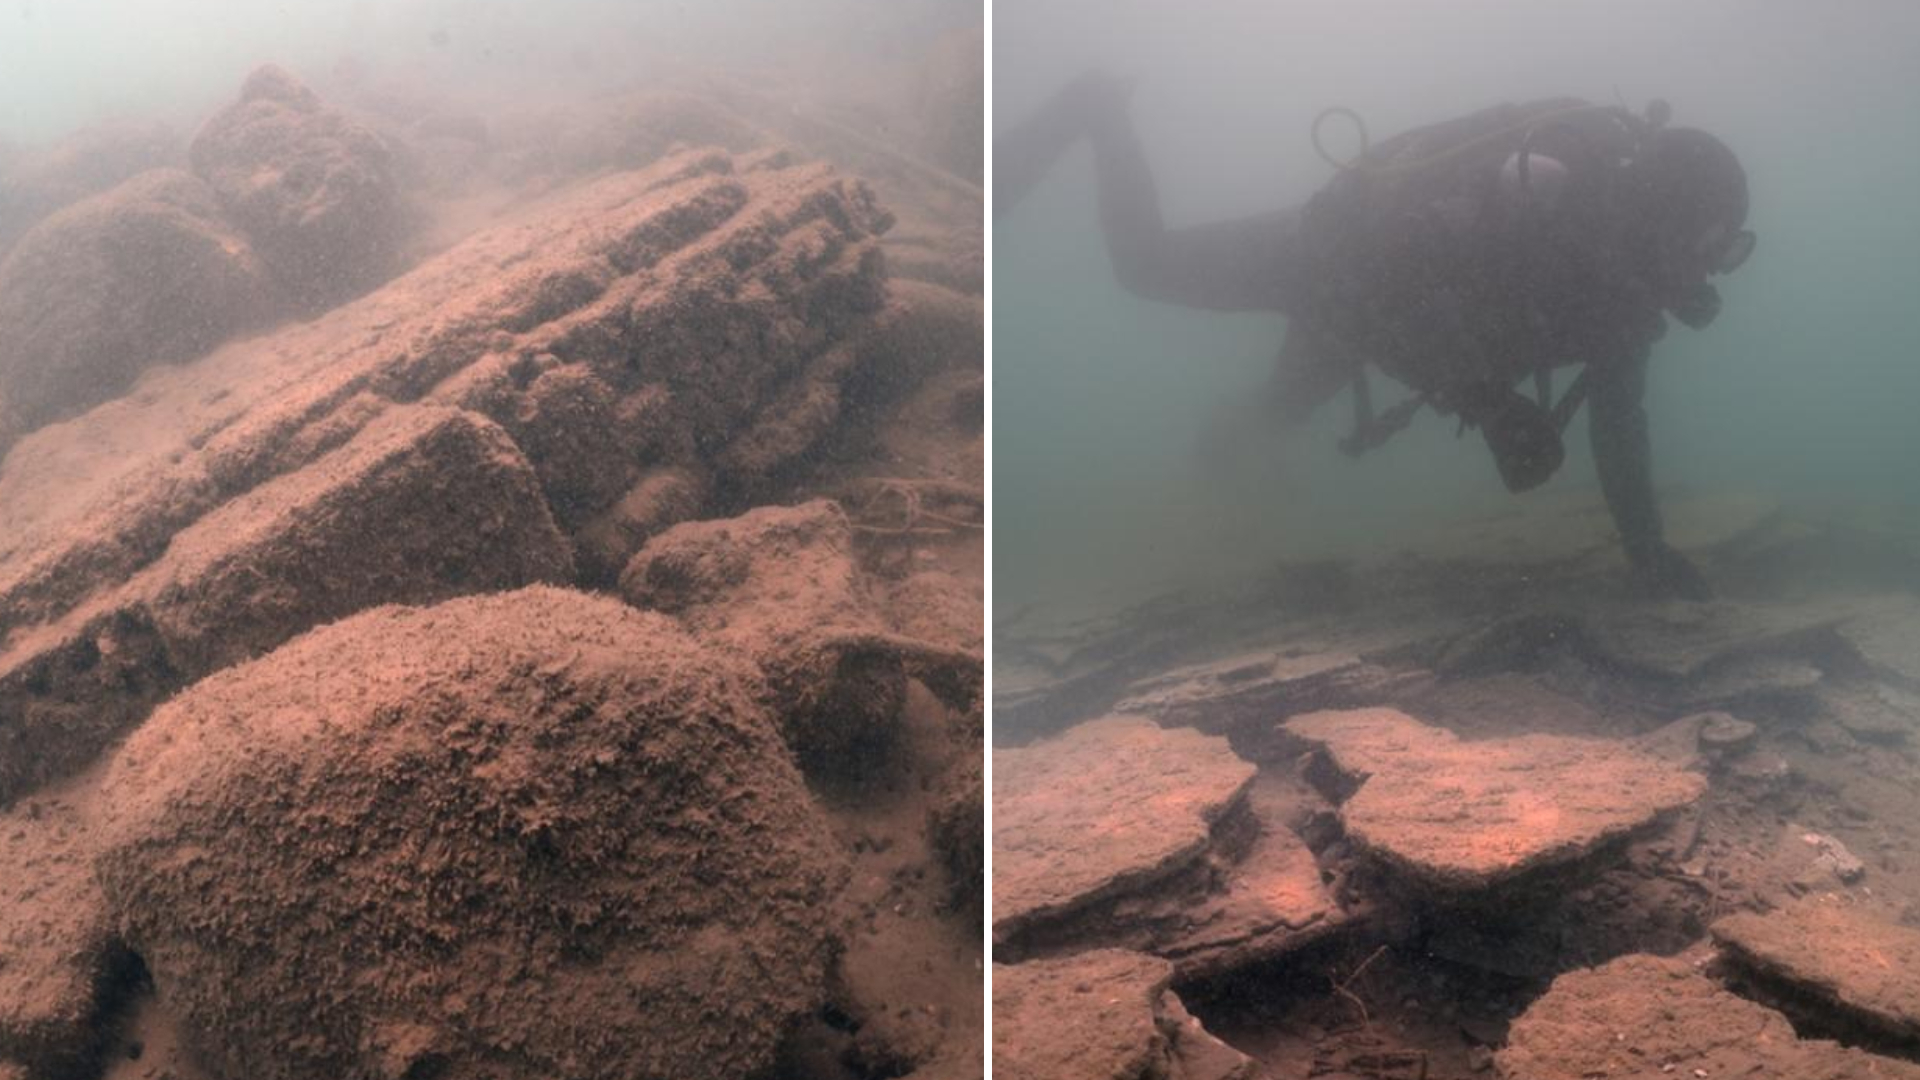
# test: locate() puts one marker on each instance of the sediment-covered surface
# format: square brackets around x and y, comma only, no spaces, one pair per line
[35,183]
[530,834]
[59,958]
[422,504]
[146,273]
[1105,808]
[1468,815]
[314,190]
[411,804]
[1861,965]
[1648,1016]
[1574,774]
[655,300]
[1101,1015]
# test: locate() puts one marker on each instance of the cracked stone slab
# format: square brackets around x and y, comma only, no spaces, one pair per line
[1269,901]
[1460,815]
[1273,903]
[1101,1015]
[1256,894]
[1648,1016]
[1102,809]
[1837,955]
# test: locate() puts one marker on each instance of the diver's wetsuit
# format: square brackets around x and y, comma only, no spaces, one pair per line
[1436,276]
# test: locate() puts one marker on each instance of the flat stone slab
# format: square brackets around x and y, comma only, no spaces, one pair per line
[1576,527]
[1463,815]
[1256,894]
[1648,1016]
[1251,688]
[1837,955]
[1882,714]
[57,951]
[1106,807]
[1694,640]
[1889,639]
[1101,1015]
[1274,903]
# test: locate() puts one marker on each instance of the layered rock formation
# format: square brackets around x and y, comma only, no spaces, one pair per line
[1123,834]
[686,299]
[451,885]
[1537,787]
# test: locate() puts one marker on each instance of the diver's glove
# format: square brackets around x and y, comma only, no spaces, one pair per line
[1698,308]
[1669,575]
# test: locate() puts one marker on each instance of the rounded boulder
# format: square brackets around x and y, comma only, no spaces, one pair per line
[535,834]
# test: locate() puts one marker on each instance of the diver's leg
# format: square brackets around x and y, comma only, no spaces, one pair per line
[1309,373]
[1255,263]
[1245,426]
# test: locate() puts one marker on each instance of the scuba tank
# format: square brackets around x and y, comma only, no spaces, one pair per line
[1542,173]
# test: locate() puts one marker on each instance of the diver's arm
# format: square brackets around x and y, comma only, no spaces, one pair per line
[1025,153]
[1623,457]
[1225,266]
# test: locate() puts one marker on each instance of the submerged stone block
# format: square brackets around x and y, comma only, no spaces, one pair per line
[59,960]
[1652,1016]
[315,190]
[1106,808]
[524,835]
[147,273]
[1459,815]
[1846,961]
[424,504]
[1101,1015]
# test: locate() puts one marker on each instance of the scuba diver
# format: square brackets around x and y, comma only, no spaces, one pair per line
[1467,260]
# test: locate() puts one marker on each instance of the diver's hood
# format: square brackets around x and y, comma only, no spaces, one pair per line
[1688,180]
